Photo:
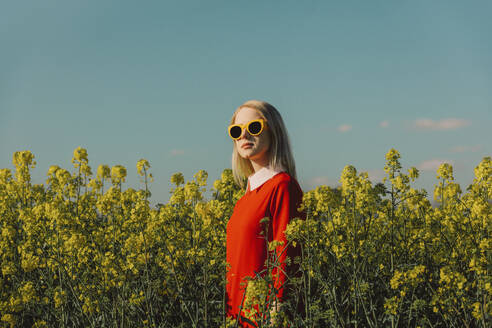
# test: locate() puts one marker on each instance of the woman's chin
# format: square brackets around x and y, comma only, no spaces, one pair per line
[246,154]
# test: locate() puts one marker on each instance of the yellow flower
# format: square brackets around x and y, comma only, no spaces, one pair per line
[192,191]
[256,293]
[29,262]
[105,243]
[416,272]
[476,310]
[63,176]
[177,179]
[59,298]
[395,280]
[445,171]
[201,178]
[392,162]
[349,180]
[274,244]
[413,173]
[142,166]
[23,158]
[137,299]
[52,170]
[27,292]
[118,173]
[23,161]
[103,172]
[9,318]
[80,155]
[391,305]
[40,324]
[484,170]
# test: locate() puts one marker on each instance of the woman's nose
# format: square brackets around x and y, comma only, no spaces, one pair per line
[244,134]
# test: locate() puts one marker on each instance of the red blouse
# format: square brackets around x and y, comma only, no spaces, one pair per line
[278,198]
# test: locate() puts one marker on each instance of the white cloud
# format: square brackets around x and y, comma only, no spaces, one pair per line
[376,175]
[444,124]
[177,152]
[322,180]
[433,164]
[463,149]
[384,124]
[344,128]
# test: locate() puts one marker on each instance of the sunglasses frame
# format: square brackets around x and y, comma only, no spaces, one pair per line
[246,126]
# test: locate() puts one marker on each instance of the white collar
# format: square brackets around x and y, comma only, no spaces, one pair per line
[262,176]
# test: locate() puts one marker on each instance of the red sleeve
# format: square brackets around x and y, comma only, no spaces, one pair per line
[286,200]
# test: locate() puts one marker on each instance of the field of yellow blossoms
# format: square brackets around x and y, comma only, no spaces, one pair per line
[81,250]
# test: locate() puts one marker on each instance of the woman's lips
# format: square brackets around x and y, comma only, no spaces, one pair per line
[247,145]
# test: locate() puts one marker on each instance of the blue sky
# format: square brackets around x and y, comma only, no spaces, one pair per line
[160,80]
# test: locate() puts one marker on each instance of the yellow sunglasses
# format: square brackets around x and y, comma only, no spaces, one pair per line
[254,127]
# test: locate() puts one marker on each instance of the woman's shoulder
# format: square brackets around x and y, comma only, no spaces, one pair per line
[284,178]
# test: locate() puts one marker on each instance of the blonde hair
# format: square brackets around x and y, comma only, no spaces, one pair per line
[280,151]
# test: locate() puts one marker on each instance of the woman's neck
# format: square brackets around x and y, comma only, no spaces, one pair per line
[259,164]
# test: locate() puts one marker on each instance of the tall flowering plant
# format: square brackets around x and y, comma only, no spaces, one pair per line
[81,249]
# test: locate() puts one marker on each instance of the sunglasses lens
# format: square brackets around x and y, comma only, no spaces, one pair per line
[235,131]
[254,128]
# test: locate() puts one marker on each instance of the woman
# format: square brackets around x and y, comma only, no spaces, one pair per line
[261,153]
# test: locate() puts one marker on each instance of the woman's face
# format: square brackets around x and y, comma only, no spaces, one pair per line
[254,148]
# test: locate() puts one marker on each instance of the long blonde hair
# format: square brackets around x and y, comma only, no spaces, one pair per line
[280,151]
